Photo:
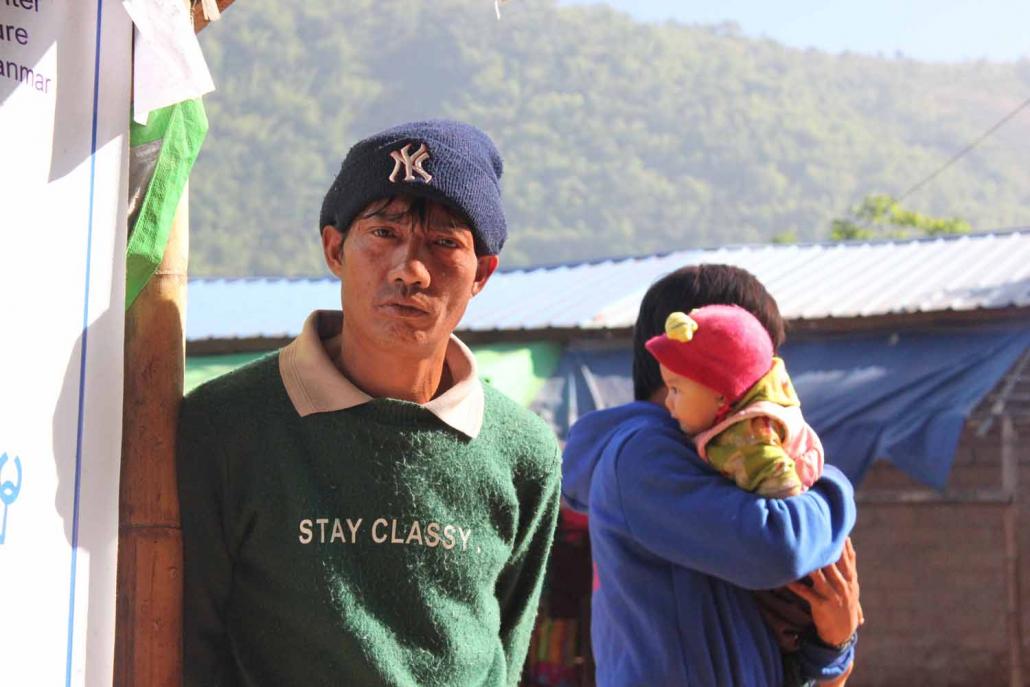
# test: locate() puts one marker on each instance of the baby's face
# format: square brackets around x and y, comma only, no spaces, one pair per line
[694,405]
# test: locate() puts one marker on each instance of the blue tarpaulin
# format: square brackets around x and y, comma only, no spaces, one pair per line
[903,397]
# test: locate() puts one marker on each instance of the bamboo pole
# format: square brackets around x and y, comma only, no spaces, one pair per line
[148,630]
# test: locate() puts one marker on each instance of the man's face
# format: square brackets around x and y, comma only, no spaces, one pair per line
[406,280]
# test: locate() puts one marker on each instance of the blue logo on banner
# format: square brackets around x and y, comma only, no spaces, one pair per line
[8,491]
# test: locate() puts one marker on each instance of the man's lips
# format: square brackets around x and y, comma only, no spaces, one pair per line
[405,308]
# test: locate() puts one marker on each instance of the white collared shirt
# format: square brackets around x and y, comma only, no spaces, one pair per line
[315,385]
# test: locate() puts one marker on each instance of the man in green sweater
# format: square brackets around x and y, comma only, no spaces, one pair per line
[359,509]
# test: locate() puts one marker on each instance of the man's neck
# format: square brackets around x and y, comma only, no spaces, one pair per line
[383,375]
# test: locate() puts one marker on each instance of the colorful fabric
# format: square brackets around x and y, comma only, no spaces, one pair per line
[171,139]
[554,654]
[765,445]
[369,545]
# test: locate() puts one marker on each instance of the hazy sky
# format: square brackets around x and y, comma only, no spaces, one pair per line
[937,30]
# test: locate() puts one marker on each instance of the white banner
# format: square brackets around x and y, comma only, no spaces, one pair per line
[64,89]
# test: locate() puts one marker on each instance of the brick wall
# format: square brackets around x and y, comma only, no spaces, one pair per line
[933,579]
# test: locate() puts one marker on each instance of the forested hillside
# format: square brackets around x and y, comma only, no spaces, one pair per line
[619,137]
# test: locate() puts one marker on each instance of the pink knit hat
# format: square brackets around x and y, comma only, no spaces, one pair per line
[723,347]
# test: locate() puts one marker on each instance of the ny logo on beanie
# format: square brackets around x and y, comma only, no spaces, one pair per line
[411,163]
[438,159]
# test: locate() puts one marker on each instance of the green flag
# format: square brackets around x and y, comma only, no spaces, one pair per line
[161,156]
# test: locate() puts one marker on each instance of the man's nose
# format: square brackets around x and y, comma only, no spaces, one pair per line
[409,268]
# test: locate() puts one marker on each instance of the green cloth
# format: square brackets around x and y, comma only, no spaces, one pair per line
[181,129]
[368,546]
[204,368]
[517,370]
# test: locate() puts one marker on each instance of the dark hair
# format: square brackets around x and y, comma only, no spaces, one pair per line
[416,207]
[688,288]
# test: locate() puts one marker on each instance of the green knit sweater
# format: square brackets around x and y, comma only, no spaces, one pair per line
[369,546]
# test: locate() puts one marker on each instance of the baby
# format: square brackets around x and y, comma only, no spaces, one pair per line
[733,397]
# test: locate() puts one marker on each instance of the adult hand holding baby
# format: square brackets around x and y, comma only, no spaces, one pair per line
[833,598]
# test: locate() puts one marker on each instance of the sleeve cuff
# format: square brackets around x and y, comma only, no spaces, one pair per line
[822,662]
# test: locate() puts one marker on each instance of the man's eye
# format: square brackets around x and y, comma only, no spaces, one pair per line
[447,243]
[382,232]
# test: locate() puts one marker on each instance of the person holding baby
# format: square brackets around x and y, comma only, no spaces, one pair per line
[706,489]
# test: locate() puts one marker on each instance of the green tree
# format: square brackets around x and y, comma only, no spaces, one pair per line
[789,236]
[880,216]
[619,137]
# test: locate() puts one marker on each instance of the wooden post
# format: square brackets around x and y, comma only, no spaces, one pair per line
[1010,485]
[199,22]
[148,631]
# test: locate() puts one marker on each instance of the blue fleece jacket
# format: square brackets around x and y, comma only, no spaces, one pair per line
[678,548]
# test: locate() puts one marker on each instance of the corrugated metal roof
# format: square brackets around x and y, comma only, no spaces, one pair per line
[810,281]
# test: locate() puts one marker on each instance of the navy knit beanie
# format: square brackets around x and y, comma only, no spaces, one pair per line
[450,162]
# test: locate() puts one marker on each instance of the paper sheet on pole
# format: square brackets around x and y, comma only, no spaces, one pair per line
[64,135]
[168,66]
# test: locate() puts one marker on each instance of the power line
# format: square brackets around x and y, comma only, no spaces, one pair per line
[957,156]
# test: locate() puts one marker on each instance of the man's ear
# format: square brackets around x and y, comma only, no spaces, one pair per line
[485,266]
[332,249]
